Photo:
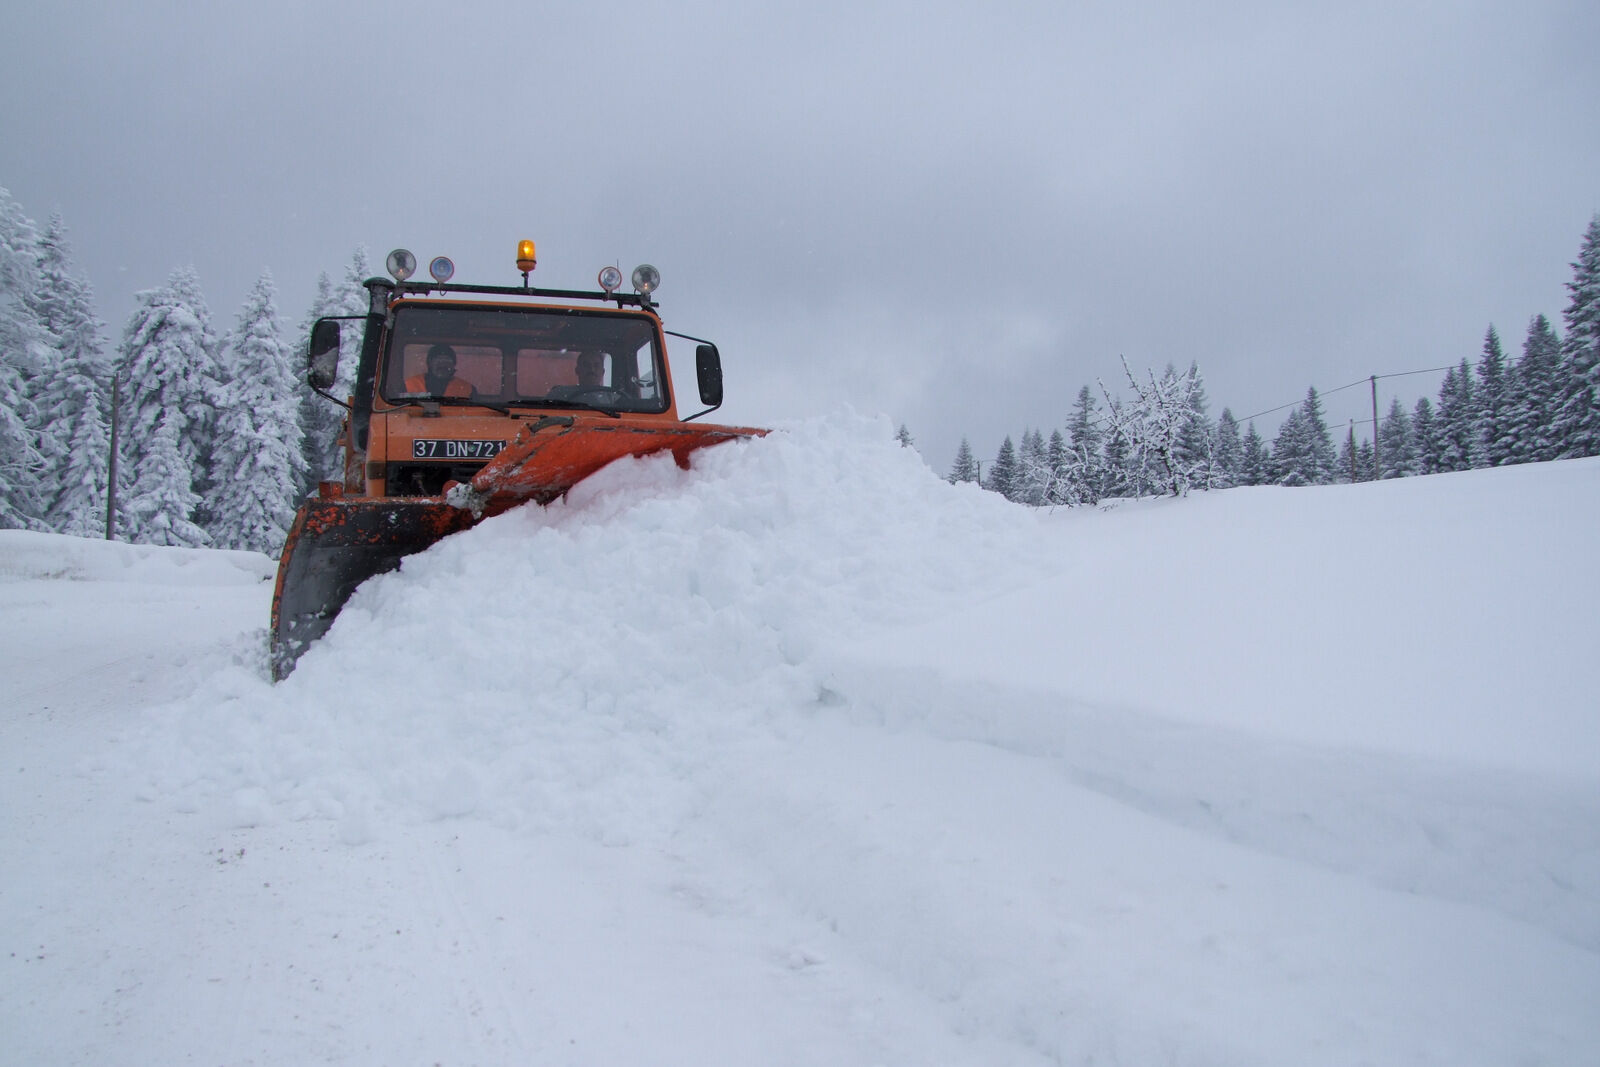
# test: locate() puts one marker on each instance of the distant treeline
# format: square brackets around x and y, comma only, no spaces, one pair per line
[1159,439]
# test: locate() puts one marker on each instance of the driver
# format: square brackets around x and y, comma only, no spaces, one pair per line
[440,379]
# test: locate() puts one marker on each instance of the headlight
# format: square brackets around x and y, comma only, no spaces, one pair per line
[441,268]
[610,278]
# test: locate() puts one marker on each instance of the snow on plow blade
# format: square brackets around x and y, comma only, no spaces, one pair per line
[336,544]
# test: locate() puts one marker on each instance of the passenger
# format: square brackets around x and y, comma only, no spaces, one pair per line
[591,375]
[440,379]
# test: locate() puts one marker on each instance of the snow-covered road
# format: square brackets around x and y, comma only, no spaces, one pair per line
[804,757]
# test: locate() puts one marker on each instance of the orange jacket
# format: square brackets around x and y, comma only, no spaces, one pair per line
[457,387]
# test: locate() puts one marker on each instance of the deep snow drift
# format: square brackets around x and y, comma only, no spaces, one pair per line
[804,756]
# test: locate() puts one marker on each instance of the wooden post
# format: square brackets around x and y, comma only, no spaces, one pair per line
[1377,457]
[111,464]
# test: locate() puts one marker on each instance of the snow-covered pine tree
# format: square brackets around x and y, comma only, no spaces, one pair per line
[1534,387]
[1345,469]
[71,394]
[903,435]
[168,420]
[1293,457]
[1086,467]
[1457,422]
[1365,461]
[1492,443]
[1319,440]
[161,496]
[1228,460]
[1398,450]
[202,430]
[256,466]
[1118,478]
[1003,472]
[1056,458]
[965,468]
[1033,482]
[1255,464]
[1033,443]
[1196,445]
[354,293]
[1425,437]
[26,348]
[1577,422]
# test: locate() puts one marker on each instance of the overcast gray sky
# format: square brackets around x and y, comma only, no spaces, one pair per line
[953,214]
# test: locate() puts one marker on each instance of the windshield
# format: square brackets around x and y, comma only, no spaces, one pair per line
[540,357]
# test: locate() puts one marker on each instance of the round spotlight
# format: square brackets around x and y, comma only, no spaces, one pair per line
[402,264]
[646,279]
[610,278]
[441,268]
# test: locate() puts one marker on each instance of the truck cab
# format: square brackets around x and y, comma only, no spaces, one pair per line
[513,359]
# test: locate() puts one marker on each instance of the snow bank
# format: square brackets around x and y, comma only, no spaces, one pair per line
[1441,618]
[25,555]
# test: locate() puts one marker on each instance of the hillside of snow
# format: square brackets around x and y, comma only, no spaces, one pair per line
[804,756]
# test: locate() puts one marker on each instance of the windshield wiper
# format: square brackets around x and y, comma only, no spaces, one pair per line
[427,403]
[502,407]
[552,402]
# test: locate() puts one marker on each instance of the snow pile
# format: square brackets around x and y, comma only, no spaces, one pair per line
[578,665]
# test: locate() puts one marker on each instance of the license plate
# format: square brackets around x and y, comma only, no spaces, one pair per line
[435,448]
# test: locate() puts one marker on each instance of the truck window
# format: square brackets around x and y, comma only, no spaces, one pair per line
[514,354]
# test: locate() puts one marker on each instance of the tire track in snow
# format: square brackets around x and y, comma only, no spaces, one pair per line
[1523,846]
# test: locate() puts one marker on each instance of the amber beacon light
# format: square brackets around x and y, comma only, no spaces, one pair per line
[526,260]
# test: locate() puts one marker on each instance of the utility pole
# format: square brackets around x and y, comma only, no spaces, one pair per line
[1377,458]
[111,462]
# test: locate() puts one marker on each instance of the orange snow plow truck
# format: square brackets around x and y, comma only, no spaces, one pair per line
[469,400]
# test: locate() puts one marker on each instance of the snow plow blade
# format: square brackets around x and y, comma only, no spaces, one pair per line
[551,455]
[336,544]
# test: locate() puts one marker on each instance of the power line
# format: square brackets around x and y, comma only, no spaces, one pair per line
[1352,385]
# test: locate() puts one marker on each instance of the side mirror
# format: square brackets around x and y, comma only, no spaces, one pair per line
[708,367]
[322,361]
